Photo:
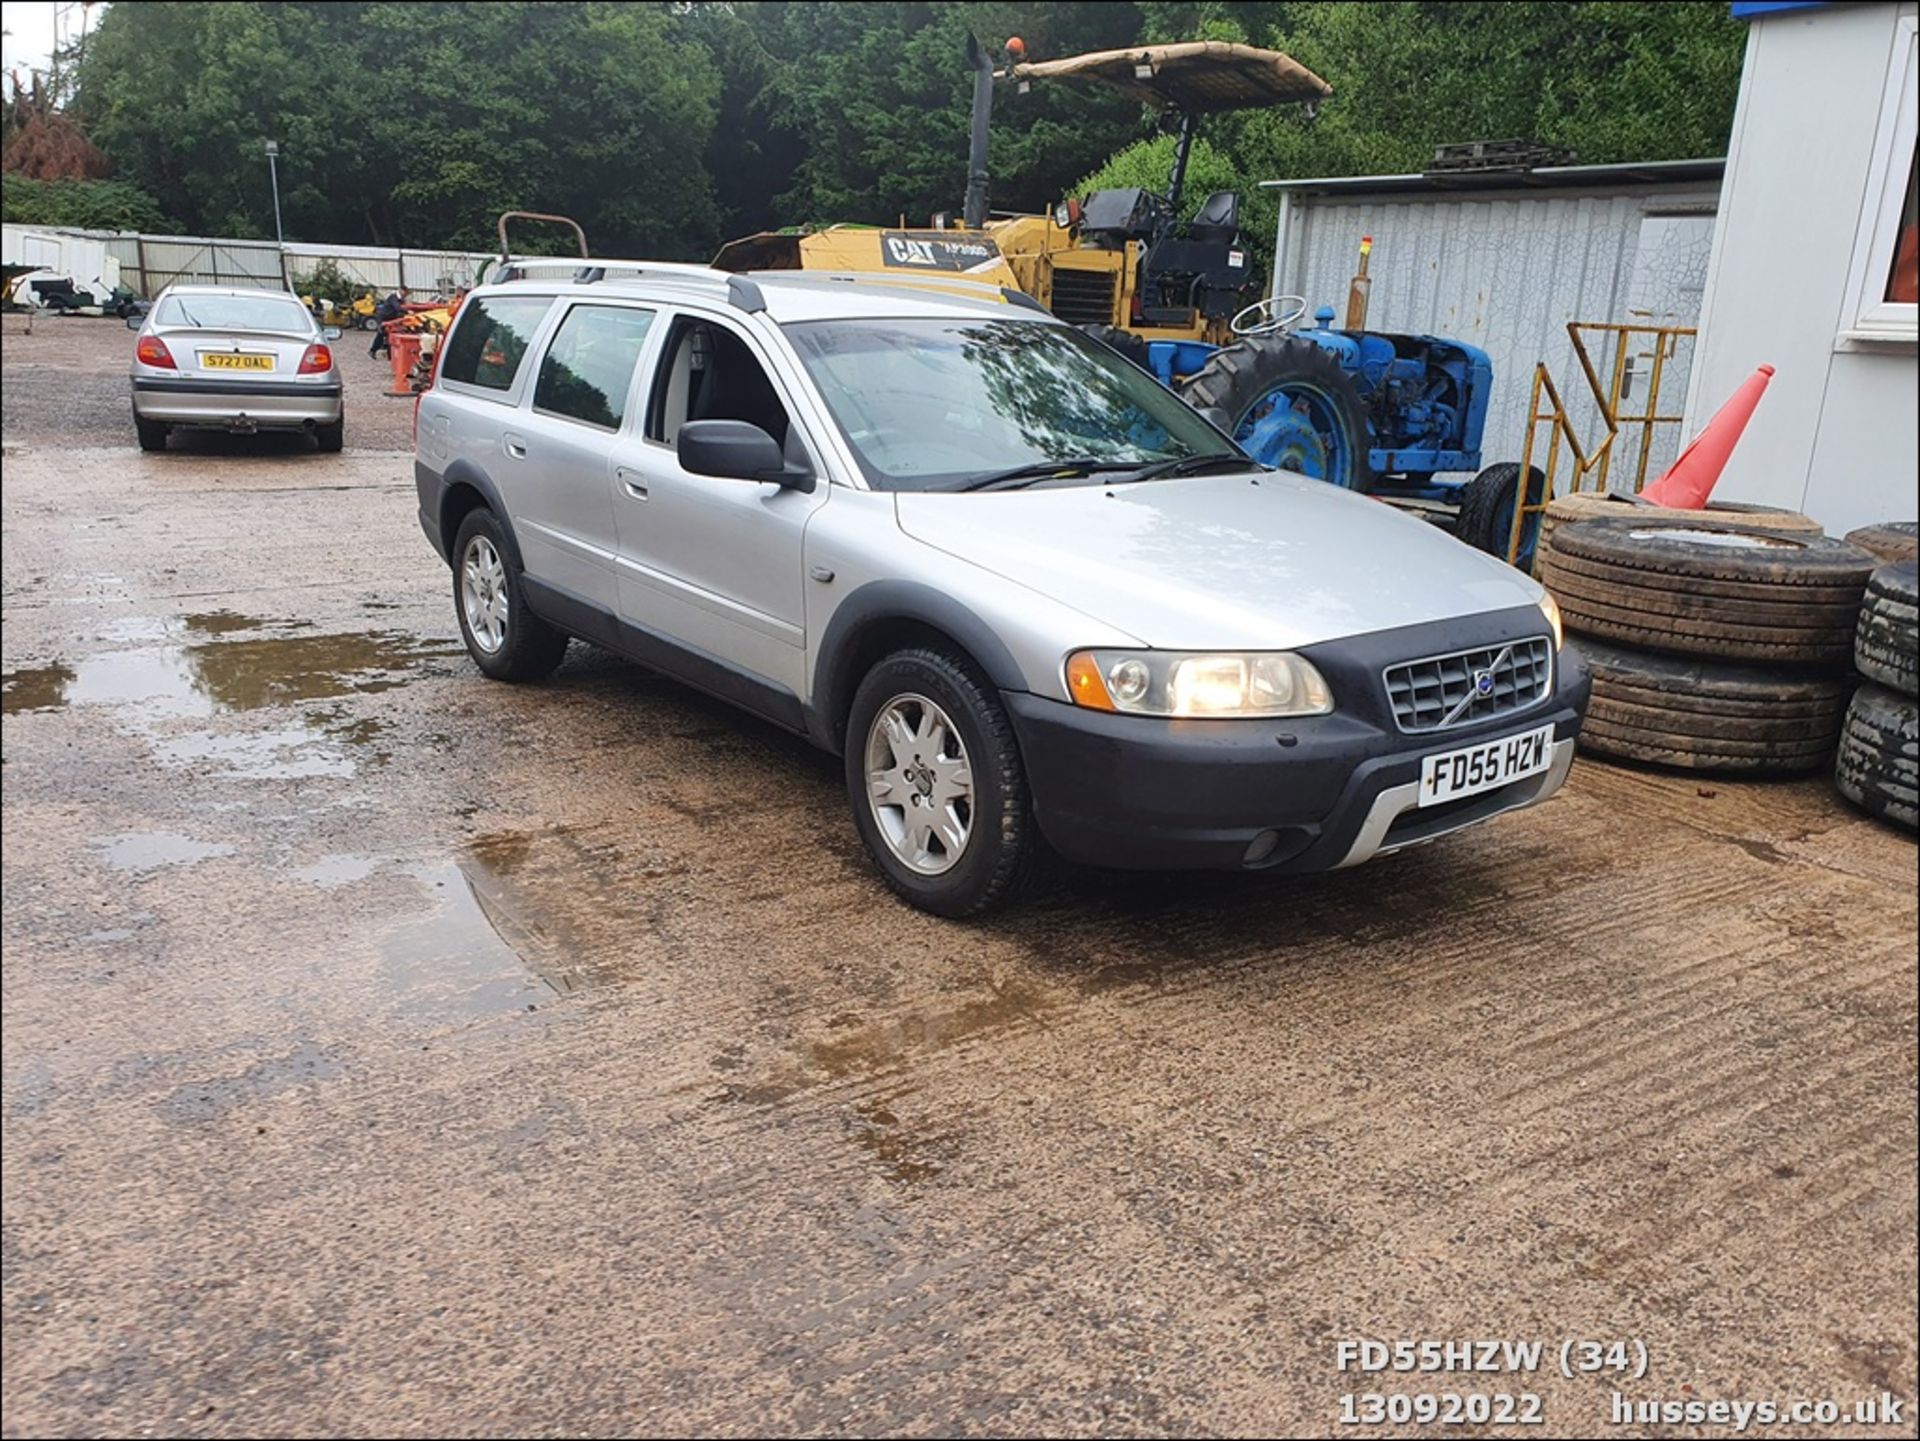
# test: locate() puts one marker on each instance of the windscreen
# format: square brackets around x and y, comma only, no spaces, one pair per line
[937,404]
[235,312]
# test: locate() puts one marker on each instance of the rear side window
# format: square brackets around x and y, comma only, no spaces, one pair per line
[588,369]
[490,341]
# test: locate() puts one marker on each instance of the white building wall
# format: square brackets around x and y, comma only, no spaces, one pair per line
[1506,271]
[1838,432]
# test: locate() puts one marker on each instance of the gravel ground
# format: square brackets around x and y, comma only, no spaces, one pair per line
[392,1052]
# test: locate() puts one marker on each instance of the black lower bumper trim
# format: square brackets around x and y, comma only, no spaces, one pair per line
[1139,793]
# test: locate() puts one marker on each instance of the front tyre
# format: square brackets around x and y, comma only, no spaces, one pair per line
[938,792]
[506,639]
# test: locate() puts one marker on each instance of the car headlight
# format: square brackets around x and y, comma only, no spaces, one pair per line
[1197,684]
[1550,608]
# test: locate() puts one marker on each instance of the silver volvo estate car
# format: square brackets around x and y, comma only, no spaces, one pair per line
[1034,601]
[213,357]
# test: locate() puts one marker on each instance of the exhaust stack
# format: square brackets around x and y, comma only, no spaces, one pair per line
[974,212]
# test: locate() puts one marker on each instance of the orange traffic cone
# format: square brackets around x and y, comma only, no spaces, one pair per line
[1691,479]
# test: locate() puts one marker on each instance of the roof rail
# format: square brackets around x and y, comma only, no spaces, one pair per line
[589,269]
[917,280]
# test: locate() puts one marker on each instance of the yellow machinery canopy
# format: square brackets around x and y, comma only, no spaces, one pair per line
[1196,76]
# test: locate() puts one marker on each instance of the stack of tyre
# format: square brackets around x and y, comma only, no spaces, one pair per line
[1714,646]
[1879,763]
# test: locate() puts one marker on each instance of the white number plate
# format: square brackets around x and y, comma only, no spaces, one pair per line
[1485,766]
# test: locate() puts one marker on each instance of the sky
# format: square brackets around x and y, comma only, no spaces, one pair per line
[31,24]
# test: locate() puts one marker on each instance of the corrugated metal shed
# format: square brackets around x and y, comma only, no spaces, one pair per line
[1504,261]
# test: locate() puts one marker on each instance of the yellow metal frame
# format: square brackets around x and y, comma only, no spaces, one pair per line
[1598,464]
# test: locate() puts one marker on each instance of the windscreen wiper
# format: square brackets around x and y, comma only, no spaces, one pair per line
[1193,465]
[1065,467]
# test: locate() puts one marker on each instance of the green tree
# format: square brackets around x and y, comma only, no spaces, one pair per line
[411,124]
[82,204]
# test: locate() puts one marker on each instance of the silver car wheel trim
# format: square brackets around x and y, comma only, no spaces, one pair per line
[483,594]
[919,784]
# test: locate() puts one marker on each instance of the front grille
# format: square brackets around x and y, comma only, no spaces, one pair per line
[1446,691]
[1084,297]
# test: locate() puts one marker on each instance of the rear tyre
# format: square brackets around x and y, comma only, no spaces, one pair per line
[1708,588]
[1708,715]
[1128,345]
[153,435]
[504,637]
[331,437]
[1290,405]
[938,792]
[1486,512]
[1879,763]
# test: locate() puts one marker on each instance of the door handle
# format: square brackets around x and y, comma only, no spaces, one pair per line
[514,446]
[636,485]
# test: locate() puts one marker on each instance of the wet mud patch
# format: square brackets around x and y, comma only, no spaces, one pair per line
[204,1101]
[35,688]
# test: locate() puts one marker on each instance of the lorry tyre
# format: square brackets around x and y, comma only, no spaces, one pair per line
[1291,406]
[1124,342]
[1890,541]
[1886,645]
[1878,768]
[1709,588]
[1486,512]
[1709,715]
[1602,505]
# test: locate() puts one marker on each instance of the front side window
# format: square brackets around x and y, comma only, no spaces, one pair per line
[588,369]
[491,338]
[937,404]
[235,312]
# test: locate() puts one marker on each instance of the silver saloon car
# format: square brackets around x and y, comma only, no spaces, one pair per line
[215,358]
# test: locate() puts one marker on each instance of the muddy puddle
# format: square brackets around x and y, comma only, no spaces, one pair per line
[140,852]
[201,666]
[519,918]
[219,662]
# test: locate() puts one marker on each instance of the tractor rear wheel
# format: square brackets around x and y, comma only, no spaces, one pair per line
[1129,345]
[1290,405]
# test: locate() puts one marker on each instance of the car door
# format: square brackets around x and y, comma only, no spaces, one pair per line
[581,398]
[709,564]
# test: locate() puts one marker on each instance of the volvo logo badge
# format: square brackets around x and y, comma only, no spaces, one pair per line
[1483,682]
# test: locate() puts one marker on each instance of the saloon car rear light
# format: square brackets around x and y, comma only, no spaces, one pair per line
[317,361]
[152,350]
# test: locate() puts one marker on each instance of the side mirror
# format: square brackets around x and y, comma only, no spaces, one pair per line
[737,450]
[134,322]
[330,332]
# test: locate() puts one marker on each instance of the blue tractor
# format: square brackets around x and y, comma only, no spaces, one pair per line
[1400,417]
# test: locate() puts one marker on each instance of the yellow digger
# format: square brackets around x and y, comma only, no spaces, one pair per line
[1123,259]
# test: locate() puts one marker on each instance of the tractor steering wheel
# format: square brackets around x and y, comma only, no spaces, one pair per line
[1269,315]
